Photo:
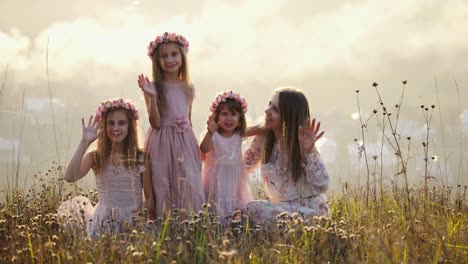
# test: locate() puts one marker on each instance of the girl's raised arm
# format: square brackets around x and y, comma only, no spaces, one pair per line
[151,100]
[206,145]
[80,164]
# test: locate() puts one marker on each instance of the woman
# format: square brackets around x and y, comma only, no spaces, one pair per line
[293,173]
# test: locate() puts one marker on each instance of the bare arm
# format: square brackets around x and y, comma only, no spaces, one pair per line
[80,164]
[153,111]
[207,143]
[254,131]
[151,100]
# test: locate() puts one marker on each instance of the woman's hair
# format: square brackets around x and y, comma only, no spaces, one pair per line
[235,106]
[158,75]
[130,143]
[294,111]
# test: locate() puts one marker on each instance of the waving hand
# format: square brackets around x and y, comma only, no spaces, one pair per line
[92,130]
[146,85]
[308,135]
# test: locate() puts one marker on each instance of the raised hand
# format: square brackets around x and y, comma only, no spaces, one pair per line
[146,85]
[212,125]
[92,130]
[308,135]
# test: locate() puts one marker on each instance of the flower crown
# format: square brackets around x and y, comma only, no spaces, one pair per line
[118,103]
[222,97]
[165,38]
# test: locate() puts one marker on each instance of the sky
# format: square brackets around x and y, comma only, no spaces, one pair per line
[59,59]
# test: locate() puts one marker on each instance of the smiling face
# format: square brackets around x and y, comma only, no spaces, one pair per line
[117,124]
[170,58]
[272,114]
[228,120]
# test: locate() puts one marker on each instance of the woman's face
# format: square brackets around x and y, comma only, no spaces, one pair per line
[272,114]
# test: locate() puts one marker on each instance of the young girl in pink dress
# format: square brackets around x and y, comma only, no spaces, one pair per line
[118,165]
[224,177]
[174,157]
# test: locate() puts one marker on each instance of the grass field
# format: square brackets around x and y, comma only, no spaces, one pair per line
[382,229]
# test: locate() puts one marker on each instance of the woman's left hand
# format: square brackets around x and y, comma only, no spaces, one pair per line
[308,135]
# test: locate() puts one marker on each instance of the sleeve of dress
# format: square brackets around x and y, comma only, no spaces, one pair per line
[316,174]
[253,154]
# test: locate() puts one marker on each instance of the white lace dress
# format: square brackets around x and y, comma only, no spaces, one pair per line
[304,196]
[120,198]
[224,177]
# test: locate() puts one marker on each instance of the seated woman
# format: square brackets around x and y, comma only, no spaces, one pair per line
[293,173]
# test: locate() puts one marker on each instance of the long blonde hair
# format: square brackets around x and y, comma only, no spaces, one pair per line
[130,143]
[158,75]
[294,111]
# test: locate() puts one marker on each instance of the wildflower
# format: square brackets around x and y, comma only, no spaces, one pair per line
[404,81]
[231,253]
[228,233]
[374,84]
[137,254]
[226,242]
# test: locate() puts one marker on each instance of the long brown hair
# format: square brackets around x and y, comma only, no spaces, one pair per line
[294,111]
[130,143]
[234,106]
[158,75]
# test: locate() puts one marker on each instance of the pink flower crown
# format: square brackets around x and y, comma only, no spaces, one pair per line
[165,38]
[222,97]
[118,103]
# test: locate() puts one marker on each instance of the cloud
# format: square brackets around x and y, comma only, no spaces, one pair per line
[464,118]
[328,48]
[42,104]
[8,144]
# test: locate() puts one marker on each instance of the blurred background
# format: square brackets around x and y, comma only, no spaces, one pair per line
[60,59]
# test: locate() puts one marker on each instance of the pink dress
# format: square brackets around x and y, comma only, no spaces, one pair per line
[174,156]
[120,198]
[224,177]
[304,196]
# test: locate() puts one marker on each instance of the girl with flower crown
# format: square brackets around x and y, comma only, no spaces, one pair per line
[224,178]
[118,165]
[174,158]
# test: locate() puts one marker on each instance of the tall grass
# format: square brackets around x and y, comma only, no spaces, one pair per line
[373,231]
[405,224]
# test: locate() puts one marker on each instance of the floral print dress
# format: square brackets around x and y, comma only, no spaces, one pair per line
[304,196]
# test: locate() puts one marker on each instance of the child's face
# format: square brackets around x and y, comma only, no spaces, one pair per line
[228,120]
[117,126]
[272,114]
[170,58]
